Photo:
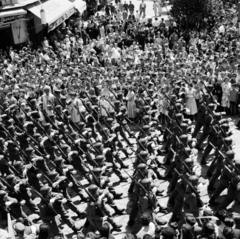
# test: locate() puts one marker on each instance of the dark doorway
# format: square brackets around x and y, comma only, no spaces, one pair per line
[6,38]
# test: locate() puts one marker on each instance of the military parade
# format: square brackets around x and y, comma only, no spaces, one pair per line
[90,119]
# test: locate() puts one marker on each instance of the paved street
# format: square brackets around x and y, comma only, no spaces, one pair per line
[123,187]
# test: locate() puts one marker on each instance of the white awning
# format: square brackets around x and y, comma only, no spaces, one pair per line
[17,12]
[56,11]
[80,5]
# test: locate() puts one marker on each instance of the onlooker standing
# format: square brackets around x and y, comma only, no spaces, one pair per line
[142,9]
[131,7]
[155,9]
[233,98]
[125,6]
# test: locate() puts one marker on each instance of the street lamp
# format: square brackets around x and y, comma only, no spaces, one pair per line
[43,14]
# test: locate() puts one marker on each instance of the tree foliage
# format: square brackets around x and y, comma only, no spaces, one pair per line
[193,14]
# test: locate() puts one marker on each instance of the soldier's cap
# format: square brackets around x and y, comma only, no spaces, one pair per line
[19,227]
[4,116]
[53,174]
[142,141]
[64,146]
[109,120]
[146,127]
[168,233]
[33,101]
[95,107]
[178,106]
[209,228]
[188,161]
[98,145]
[58,160]
[145,181]
[183,137]
[93,188]
[184,125]
[207,212]
[73,153]
[217,115]
[225,126]
[36,135]
[228,140]
[3,193]
[56,90]
[179,115]
[45,189]
[58,107]
[142,166]
[97,170]
[211,106]
[147,108]
[29,149]
[47,125]
[17,163]
[11,127]
[99,158]
[193,179]
[230,154]
[81,124]
[143,153]
[10,177]
[74,134]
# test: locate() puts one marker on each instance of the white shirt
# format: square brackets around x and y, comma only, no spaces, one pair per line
[150,229]
[156,23]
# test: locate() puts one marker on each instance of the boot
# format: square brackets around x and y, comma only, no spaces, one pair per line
[123,165]
[83,197]
[115,194]
[115,226]
[117,210]
[123,178]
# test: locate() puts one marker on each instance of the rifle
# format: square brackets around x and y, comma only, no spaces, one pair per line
[225,157]
[149,193]
[25,156]
[93,199]
[199,201]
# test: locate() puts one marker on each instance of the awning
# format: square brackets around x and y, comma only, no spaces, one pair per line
[12,13]
[11,16]
[57,11]
[80,5]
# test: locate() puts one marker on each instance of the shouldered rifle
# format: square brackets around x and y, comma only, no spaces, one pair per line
[151,196]
[228,160]
[93,199]
[199,201]
[25,156]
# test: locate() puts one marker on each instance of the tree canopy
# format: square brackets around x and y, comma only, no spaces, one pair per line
[194,14]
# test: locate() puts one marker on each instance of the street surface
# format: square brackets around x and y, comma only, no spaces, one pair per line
[123,187]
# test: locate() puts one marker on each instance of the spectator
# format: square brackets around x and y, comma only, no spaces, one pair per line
[148,227]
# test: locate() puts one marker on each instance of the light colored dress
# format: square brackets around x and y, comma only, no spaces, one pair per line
[131,105]
[225,96]
[191,102]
